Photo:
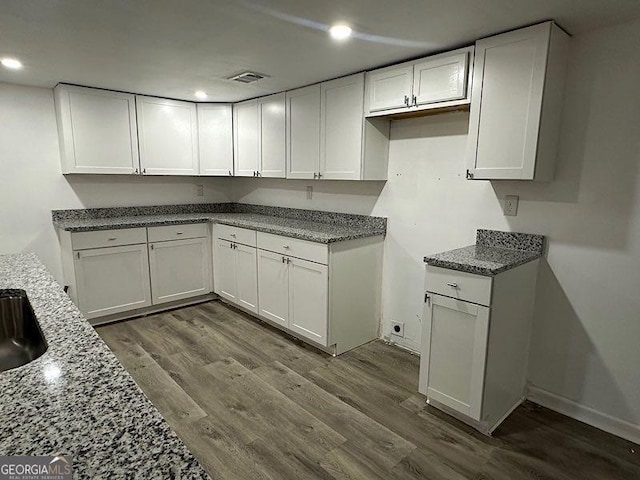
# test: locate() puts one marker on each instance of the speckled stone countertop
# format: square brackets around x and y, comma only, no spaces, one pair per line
[493,253]
[315,226]
[77,399]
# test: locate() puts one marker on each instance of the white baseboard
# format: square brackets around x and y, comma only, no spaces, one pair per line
[615,426]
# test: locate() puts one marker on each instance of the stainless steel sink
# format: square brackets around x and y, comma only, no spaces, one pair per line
[21,339]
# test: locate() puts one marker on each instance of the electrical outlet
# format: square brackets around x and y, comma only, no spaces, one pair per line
[397,329]
[199,190]
[510,207]
[309,192]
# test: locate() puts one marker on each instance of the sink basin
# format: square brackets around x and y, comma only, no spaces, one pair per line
[21,339]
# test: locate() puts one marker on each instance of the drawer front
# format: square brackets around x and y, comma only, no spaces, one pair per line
[294,247]
[236,234]
[177,232]
[108,238]
[459,285]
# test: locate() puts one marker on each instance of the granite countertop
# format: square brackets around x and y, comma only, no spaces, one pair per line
[493,253]
[314,231]
[77,399]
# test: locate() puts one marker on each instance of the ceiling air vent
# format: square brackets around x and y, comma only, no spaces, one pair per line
[247,77]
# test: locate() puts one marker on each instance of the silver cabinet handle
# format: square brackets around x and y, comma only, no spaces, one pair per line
[406,100]
[415,101]
[144,170]
[319,175]
[285,246]
[136,172]
[230,173]
[288,260]
[151,246]
[452,284]
[232,235]
[179,233]
[315,175]
[284,259]
[112,239]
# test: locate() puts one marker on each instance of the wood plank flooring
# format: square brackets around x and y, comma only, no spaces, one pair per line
[253,403]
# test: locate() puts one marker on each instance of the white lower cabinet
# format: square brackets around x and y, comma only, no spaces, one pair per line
[327,294]
[179,269]
[112,274]
[112,279]
[475,342]
[308,300]
[294,293]
[236,273]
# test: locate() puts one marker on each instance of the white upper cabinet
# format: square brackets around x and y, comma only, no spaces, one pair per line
[390,88]
[440,78]
[303,132]
[341,114]
[271,112]
[439,81]
[517,99]
[215,138]
[246,135]
[97,130]
[168,136]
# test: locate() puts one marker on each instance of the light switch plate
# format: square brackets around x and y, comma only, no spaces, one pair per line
[510,206]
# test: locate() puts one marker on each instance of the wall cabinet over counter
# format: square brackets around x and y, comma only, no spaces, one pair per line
[327,294]
[516,106]
[215,138]
[434,82]
[328,136]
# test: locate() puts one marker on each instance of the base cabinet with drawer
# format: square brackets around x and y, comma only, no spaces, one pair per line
[114,274]
[475,342]
[327,294]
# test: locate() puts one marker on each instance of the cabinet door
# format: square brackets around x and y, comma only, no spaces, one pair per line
[341,114]
[215,139]
[179,269]
[112,280]
[97,130]
[273,287]
[441,78]
[246,138]
[247,274]
[509,73]
[303,132]
[224,270]
[389,88]
[272,136]
[454,350]
[168,136]
[308,300]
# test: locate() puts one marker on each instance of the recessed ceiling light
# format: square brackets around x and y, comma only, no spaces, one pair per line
[200,94]
[11,63]
[340,32]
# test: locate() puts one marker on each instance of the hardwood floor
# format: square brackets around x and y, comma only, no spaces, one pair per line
[253,403]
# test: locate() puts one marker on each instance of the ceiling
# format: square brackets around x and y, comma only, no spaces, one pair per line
[172,48]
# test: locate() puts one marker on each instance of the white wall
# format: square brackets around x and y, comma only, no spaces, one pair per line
[587,315]
[31,184]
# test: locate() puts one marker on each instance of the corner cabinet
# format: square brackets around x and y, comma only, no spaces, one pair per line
[97,130]
[475,342]
[435,82]
[168,136]
[326,294]
[328,136]
[215,139]
[516,106]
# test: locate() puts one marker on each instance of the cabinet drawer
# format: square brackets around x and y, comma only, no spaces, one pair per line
[460,285]
[235,234]
[177,232]
[294,247]
[108,238]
